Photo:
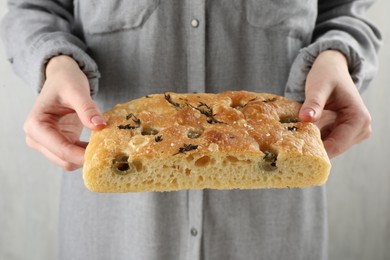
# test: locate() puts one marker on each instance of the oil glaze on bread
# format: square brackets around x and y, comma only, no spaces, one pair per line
[235,139]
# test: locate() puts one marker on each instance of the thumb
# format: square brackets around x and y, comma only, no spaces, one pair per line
[89,113]
[311,110]
[317,96]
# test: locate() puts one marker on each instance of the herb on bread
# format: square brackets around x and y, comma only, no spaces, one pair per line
[136,120]
[169,99]
[158,138]
[206,110]
[187,148]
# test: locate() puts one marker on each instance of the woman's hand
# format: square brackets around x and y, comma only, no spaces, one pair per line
[63,107]
[333,101]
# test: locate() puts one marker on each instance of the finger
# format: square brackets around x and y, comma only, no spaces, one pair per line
[54,159]
[57,144]
[343,136]
[339,140]
[82,144]
[326,123]
[326,130]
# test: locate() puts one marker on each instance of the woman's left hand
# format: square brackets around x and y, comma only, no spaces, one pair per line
[334,103]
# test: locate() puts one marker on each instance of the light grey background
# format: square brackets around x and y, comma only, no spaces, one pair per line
[358,188]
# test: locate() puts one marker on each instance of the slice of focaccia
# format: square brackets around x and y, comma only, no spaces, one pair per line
[235,139]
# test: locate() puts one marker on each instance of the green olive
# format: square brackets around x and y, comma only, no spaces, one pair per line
[289,120]
[121,166]
[269,161]
[292,128]
[193,135]
[149,131]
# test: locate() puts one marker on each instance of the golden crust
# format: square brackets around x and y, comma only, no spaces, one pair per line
[235,139]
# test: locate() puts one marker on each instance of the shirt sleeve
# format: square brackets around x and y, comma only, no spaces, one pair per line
[34,31]
[340,26]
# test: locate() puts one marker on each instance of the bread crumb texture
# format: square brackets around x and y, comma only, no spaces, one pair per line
[231,140]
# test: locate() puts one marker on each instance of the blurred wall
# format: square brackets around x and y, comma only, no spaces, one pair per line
[29,185]
[358,188]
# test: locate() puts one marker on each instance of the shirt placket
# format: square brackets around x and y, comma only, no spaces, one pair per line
[195,220]
[196,83]
[196,46]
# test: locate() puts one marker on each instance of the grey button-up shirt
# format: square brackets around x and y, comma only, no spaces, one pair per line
[131,48]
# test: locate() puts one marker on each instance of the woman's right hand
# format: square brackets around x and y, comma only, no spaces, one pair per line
[63,107]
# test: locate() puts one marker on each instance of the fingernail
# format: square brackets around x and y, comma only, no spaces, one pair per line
[310,112]
[98,121]
[307,114]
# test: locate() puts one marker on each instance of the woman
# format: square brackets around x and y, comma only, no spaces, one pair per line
[322,53]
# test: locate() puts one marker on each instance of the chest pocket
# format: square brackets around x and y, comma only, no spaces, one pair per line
[104,16]
[278,14]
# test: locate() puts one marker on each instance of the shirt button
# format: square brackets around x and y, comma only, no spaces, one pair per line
[194,232]
[194,23]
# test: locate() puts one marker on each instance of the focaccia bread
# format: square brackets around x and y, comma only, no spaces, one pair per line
[235,139]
